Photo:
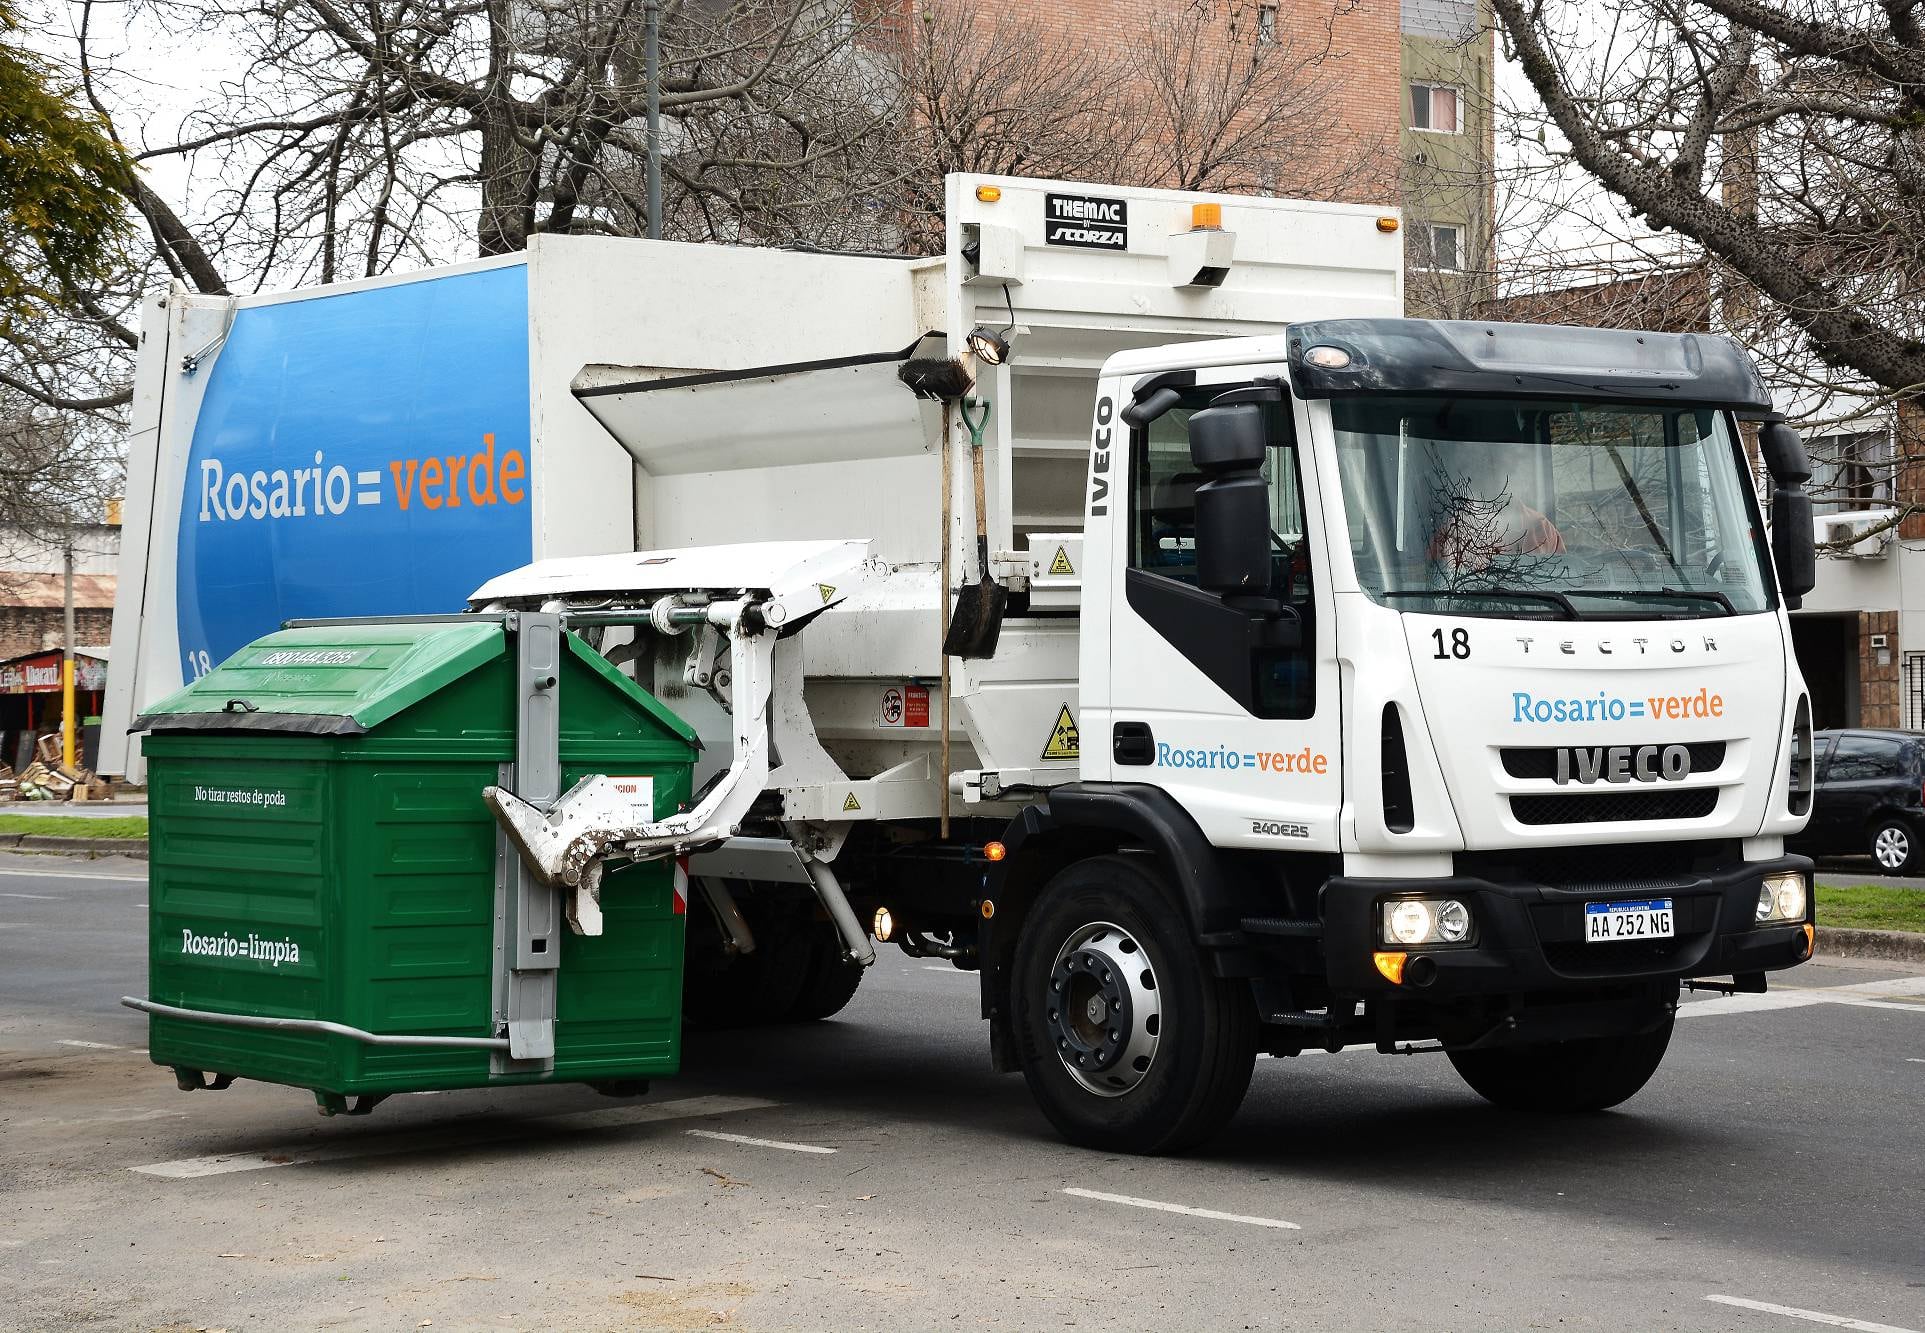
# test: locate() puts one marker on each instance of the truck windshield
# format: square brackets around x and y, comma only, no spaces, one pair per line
[1547,509]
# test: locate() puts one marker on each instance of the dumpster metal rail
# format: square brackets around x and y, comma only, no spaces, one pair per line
[320,1025]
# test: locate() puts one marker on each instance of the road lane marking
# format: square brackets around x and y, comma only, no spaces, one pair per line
[1813,1316]
[88,1045]
[32,897]
[952,971]
[448,1136]
[758,1143]
[1185,1209]
[68,874]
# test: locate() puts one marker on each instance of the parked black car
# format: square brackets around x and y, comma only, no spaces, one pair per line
[1870,798]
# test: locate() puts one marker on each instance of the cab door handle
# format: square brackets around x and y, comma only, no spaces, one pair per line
[1132,743]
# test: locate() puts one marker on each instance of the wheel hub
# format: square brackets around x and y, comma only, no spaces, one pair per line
[1102,1009]
[1892,847]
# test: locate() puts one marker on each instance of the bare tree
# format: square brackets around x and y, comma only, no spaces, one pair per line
[1821,105]
[1233,99]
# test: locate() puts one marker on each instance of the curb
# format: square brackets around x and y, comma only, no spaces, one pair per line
[90,848]
[1897,946]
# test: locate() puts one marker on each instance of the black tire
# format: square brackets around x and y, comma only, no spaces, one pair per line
[724,990]
[1202,1028]
[1893,844]
[831,983]
[1590,1074]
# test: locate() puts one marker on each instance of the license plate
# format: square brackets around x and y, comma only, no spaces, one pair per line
[1648,920]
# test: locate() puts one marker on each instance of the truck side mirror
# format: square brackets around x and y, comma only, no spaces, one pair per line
[1784,452]
[1794,547]
[1228,439]
[1233,507]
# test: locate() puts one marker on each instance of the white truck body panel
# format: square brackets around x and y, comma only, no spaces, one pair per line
[600,312]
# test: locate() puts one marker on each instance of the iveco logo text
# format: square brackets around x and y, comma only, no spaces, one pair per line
[1602,707]
[1622,763]
[435,483]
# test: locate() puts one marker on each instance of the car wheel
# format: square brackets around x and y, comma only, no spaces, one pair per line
[1894,845]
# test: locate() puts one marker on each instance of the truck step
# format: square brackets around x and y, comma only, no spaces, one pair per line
[1277,925]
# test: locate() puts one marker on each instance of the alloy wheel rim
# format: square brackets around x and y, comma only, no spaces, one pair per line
[1891,847]
[1102,1009]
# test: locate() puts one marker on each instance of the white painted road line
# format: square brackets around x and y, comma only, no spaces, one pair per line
[952,971]
[1810,1316]
[758,1143]
[32,897]
[1185,1209]
[88,1045]
[68,874]
[448,1136]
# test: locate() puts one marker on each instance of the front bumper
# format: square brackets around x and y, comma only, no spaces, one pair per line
[1530,937]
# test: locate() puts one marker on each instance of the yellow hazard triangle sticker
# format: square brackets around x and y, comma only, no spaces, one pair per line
[1061,565]
[827,590]
[851,803]
[1062,738]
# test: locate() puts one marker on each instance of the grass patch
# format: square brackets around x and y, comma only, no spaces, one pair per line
[113,826]
[1871,907]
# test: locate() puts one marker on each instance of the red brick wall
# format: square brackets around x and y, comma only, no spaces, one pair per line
[25,629]
[1363,80]
[1878,703]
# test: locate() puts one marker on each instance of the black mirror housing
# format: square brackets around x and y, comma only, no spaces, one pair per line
[1794,547]
[1233,535]
[1228,439]
[1784,453]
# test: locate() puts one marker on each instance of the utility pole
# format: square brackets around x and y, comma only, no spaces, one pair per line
[67,664]
[652,77]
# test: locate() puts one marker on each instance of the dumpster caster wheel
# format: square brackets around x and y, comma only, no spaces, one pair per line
[333,1103]
[632,1087]
[194,1080]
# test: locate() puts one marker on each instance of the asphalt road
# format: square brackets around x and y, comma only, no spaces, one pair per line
[1777,1161]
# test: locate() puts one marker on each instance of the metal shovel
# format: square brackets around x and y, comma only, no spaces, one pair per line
[977,621]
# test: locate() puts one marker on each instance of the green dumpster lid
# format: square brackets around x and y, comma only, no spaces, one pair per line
[328,680]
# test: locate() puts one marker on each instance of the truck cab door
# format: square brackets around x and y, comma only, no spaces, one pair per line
[1229,702]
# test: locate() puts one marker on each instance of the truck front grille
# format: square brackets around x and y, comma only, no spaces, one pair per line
[1540,761]
[1617,867]
[1613,807]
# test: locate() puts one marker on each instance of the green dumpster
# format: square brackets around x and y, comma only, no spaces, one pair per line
[331,903]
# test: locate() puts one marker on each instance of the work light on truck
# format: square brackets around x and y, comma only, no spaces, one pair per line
[1419,921]
[1782,898]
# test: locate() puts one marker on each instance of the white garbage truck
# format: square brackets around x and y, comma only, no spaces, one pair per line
[1146,617]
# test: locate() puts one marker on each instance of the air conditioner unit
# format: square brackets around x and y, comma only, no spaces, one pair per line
[1860,534]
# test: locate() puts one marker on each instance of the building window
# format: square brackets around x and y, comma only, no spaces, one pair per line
[1428,245]
[1850,470]
[1434,108]
[1266,24]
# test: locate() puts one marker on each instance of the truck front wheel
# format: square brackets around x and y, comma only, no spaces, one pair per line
[1590,1074]
[1129,1044]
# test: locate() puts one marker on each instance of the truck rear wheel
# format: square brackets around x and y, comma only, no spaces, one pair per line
[831,983]
[1590,1074]
[1129,1044]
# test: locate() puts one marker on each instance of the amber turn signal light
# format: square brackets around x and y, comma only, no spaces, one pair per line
[1391,965]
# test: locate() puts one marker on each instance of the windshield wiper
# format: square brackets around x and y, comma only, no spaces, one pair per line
[1556,599]
[1658,594]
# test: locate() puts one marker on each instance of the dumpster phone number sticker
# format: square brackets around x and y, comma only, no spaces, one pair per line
[266,798]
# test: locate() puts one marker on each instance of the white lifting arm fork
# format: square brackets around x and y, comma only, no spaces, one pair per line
[595,820]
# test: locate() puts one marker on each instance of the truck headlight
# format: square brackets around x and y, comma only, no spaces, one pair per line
[1418,921]
[1782,897]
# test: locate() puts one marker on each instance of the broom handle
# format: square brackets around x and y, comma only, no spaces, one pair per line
[982,518]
